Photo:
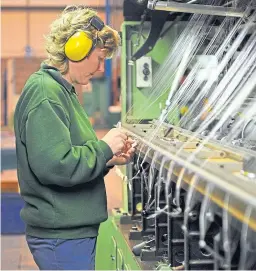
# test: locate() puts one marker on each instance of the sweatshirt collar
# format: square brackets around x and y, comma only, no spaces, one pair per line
[56,75]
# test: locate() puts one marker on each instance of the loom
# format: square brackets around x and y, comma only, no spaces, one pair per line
[189,101]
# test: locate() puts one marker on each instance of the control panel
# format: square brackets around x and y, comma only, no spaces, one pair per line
[144,72]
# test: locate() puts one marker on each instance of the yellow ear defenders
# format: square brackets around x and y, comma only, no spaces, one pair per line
[79,45]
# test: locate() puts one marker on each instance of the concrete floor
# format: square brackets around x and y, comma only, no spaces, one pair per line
[15,254]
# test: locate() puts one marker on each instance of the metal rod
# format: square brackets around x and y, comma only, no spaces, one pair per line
[129,77]
[195,8]
[226,184]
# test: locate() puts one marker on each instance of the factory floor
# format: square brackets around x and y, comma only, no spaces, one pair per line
[15,254]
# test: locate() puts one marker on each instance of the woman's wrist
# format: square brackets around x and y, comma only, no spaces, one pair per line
[110,164]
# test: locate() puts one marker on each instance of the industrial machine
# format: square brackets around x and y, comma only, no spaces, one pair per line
[189,101]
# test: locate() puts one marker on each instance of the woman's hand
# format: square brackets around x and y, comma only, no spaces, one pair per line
[125,157]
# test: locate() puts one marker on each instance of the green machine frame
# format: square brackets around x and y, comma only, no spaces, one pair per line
[114,249]
[135,99]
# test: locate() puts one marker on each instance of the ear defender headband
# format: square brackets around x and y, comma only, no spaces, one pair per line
[79,45]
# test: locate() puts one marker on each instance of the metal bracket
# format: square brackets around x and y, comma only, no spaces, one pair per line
[157,23]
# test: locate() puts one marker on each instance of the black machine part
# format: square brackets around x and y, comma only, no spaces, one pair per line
[138,248]
[158,19]
[136,10]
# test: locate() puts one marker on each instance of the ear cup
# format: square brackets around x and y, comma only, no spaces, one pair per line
[78,46]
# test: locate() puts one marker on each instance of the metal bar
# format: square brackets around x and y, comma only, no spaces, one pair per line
[129,75]
[237,152]
[195,8]
[108,62]
[228,184]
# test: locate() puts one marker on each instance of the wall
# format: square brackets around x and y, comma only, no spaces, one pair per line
[25,22]
[20,29]
[51,3]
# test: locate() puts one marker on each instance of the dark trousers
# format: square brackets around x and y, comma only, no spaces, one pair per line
[60,254]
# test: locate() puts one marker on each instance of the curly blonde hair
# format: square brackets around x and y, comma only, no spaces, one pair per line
[75,18]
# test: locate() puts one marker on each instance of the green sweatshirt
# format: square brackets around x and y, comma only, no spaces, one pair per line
[61,163]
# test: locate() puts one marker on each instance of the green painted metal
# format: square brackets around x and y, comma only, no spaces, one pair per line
[160,50]
[125,196]
[112,251]
[123,74]
[144,107]
[105,250]
[138,96]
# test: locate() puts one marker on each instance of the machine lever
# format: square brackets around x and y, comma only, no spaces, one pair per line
[157,23]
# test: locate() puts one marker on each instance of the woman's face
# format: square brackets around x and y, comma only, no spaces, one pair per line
[81,72]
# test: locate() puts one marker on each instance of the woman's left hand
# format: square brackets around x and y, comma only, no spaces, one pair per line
[124,158]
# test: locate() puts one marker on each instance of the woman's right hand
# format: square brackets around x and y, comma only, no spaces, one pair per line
[116,139]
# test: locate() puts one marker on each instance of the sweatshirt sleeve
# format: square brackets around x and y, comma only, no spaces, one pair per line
[51,155]
[106,170]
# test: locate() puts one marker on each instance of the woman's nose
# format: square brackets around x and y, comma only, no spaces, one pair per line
[101,66]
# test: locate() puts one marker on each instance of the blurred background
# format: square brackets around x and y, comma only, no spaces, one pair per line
[23,26]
